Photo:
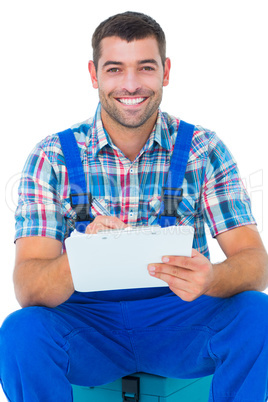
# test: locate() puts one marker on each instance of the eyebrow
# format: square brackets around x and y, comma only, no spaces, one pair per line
[148,61]
[119,63]
[115,63]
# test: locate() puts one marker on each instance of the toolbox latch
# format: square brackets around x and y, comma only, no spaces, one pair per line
[130,389]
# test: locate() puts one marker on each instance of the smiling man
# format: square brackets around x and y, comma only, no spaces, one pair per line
[130,77]
[208,319]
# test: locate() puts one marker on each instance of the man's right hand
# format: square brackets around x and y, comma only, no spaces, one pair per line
[105,223]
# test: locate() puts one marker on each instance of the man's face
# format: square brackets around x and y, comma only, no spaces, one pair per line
[130,80]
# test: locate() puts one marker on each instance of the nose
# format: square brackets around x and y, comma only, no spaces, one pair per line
[131,82]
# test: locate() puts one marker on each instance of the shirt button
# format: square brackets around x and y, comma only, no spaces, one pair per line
[131,170]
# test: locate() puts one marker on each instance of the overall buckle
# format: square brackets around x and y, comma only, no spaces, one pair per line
[82,207]
[171,197]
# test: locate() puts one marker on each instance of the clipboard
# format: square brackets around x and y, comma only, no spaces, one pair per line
[118,259]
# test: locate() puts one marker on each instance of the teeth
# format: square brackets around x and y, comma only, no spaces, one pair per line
[131,101]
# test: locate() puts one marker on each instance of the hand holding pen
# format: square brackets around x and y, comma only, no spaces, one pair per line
[104,221]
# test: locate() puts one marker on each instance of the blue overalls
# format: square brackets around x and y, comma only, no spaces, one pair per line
[95,338]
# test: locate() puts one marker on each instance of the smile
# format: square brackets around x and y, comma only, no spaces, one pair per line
[131,101]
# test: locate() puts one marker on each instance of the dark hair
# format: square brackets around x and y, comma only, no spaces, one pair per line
[128,26]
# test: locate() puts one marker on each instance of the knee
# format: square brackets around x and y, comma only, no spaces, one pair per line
[21,328]
[252,307]
[243,327]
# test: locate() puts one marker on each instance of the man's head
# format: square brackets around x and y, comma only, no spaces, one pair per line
[129,70]
[128,26]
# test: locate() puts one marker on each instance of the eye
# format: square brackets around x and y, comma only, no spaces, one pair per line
[147,68]
[113,70]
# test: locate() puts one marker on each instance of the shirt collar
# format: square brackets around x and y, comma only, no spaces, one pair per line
[99,137]
[160,134]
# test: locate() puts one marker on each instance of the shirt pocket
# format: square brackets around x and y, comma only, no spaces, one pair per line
[153,209]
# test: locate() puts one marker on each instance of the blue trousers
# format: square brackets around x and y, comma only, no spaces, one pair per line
[86,341]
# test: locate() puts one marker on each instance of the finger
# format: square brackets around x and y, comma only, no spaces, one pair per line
[175,283]
[179,261]
[195,253]
[187,290]
[104,223]
[184,295]
[161,270]
[195,262]
[116,223]
[95,227]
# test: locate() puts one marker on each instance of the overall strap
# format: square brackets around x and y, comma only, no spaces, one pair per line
[172,192]
[79,197]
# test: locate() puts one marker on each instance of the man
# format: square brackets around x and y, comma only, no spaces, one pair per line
[210,319]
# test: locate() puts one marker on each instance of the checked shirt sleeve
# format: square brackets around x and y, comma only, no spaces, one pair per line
[225,202]
[39,211]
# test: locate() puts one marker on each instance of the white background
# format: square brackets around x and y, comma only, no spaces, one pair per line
[219,79]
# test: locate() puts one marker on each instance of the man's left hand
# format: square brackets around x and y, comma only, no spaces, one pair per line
[187,277]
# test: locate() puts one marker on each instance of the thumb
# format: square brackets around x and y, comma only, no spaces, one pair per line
[195,253]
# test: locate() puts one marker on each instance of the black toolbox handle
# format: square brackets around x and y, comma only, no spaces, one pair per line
[130,389]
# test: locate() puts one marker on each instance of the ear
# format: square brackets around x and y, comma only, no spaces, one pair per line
[93,74]
[166,72]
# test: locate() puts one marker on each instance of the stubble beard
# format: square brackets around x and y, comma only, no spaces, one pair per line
[131,119]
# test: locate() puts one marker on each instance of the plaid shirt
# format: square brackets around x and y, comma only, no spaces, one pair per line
[214,194]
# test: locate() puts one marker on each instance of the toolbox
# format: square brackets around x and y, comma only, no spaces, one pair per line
[141,387]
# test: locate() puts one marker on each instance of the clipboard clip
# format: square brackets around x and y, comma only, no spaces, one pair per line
[82,206]
[171,198]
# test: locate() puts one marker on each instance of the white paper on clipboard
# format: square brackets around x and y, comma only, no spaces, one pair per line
[118,259]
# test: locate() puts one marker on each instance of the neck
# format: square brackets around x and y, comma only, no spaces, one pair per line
[129,140]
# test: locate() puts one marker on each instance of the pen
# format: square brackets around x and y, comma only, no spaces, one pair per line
[103,211]
[100,208]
